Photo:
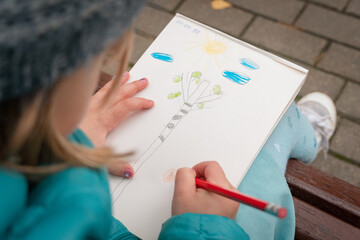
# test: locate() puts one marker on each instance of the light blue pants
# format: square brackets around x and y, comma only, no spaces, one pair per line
[293,137]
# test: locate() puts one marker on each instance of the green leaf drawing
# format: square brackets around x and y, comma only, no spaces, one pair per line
[216,89]
[201,105]
[174,95]
[196,74]
[197,80]
[177,78]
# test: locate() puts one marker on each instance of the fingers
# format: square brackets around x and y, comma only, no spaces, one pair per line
[129,105]
[211,171]
[121,169]
[103,91]
[121,91]
[124,79]
[121,79]
[185,182]
[187,198]
[130,89]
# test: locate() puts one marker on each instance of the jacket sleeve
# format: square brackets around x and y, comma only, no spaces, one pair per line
[119,232]
[193,226]
[72,204]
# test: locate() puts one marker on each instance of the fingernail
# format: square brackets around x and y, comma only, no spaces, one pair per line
[143,80]
[125,74]
[128,173]
[151,102]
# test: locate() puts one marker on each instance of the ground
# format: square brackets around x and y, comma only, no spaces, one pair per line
[320,35]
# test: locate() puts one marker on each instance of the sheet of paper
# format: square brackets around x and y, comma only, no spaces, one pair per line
[216,98]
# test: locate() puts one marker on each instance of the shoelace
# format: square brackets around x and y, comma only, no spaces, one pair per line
[320,125]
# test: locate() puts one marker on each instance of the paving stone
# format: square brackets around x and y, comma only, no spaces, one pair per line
[338,4]
[338,168]
[285,40]
[346,140]
[318,81]
[283,10]
[140,45]
[342,60]
[229,20]
[331,24]
[349,100]
[169,5]
[152,21]
[354,7]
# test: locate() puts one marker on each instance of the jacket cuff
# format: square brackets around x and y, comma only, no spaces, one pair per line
[192,225]
[119,231]
[78,136]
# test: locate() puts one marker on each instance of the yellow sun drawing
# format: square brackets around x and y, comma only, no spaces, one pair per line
[213,47]
[208,50]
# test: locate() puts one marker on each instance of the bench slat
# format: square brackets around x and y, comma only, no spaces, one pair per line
[325,192]
[315,224]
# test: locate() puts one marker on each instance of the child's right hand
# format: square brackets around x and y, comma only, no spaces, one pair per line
[187,198]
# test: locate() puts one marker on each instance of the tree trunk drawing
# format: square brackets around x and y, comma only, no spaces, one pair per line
[192,98]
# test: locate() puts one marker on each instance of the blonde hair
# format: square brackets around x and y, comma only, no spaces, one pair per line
[30,144]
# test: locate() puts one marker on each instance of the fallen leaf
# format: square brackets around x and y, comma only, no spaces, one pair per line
[220,4]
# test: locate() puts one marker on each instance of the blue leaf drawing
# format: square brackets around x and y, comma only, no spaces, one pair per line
[250,64]
[163,57]
[239,78]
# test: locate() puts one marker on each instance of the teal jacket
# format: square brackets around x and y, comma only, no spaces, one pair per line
[75,204]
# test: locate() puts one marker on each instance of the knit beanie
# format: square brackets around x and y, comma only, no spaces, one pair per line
[41,40]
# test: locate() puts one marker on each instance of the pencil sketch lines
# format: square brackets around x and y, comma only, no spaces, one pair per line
[196,94]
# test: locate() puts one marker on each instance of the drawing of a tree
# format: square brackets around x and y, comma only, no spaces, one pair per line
[196,94]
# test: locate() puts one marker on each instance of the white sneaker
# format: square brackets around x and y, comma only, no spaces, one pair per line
[321,112]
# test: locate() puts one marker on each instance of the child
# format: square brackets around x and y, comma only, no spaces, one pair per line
[55,187]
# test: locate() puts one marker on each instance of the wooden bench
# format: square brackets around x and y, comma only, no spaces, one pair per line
[325,206]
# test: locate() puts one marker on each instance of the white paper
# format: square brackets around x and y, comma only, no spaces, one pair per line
[220,120]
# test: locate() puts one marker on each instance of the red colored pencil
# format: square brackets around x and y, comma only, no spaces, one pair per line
[271,208]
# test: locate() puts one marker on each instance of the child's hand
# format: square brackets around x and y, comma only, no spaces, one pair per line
[187,198]
[103,116]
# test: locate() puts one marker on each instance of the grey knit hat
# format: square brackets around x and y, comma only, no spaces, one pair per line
[41,40]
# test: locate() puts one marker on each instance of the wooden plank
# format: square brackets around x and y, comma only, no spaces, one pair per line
[315,224]
[325,192]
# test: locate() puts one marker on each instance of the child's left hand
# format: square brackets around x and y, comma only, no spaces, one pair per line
[103,116]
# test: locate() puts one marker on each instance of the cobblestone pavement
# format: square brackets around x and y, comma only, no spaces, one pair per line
[320,35]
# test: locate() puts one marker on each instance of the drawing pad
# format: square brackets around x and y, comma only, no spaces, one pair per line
[216,98]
